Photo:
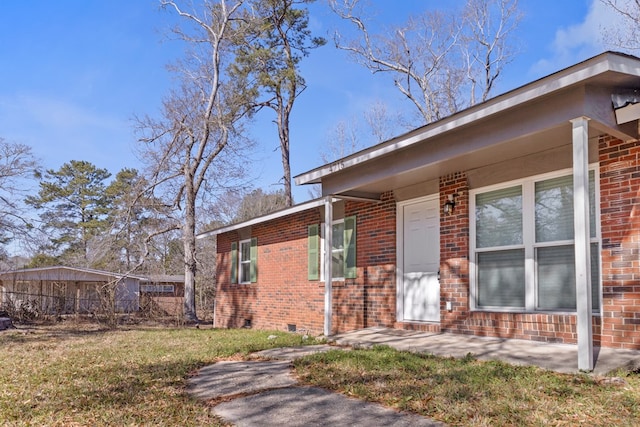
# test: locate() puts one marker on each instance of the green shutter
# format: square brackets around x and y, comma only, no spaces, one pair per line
[254,260]
[350,247]
[313,252]
[234,262]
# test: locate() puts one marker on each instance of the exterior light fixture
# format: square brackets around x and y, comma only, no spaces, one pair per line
[447,209]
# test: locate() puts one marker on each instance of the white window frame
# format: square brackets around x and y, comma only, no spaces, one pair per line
[333,278]
[244,280]
[529,244]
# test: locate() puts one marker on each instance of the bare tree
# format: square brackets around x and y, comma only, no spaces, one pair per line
[351,135]
[440,61]
[627,35]
[17,164]
[381,123]
[189,149]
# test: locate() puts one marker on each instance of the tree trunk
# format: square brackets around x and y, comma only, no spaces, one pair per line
[189,241]
[283,132]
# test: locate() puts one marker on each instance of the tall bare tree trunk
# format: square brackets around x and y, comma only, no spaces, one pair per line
[283,132]
[189,243]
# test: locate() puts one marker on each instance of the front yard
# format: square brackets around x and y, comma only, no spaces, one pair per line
[79,374]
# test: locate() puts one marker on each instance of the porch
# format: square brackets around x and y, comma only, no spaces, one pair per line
[556,357]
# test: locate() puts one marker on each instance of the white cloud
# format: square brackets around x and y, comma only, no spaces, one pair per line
[578,42]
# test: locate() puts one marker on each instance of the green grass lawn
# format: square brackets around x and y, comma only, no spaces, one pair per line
[468,392]
[78,374]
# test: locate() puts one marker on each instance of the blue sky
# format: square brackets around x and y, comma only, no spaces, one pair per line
[75,72]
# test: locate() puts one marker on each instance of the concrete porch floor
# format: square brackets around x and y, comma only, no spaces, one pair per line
[556,357]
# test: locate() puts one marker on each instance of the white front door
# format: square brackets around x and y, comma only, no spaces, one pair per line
[421,260]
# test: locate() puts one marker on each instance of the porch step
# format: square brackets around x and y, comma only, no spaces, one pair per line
[5,323]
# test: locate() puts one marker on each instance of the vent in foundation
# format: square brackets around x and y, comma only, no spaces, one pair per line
[247,323]
[291,328]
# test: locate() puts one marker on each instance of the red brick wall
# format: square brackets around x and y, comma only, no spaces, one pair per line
[620,219]
[370,299]
[454,254]
[282,294]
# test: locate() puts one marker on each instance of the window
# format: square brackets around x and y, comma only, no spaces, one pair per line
[244,256]
[157,288]
[337,250]
[245,261]
[343,250]
[522,245]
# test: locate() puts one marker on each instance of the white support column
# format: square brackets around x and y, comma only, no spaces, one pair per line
[328,279]
[582,242]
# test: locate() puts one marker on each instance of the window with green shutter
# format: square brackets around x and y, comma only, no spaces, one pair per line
[343,249]
[248,260]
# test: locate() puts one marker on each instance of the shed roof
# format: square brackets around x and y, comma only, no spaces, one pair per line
[64,273]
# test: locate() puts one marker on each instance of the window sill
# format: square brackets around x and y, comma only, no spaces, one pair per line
[523,311]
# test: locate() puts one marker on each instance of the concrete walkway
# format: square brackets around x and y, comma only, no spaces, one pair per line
[556,357]
[264,393]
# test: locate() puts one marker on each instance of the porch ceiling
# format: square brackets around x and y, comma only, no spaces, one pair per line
[373,180]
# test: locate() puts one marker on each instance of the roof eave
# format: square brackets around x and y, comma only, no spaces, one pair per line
[573,75]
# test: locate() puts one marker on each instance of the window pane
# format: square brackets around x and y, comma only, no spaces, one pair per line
[595,277]
[337,264]
[499,218]
[557,278]
[245,262]
[337,251]
[245,248]
[245,271]
[592,203]
[501,280]
[338,236]
[554,208]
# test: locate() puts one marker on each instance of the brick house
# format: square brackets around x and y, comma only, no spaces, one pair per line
[515,218]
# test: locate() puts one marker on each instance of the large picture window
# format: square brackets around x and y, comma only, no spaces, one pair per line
[522,245]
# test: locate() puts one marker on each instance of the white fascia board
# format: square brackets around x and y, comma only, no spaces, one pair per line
[547,85]
[258,220]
